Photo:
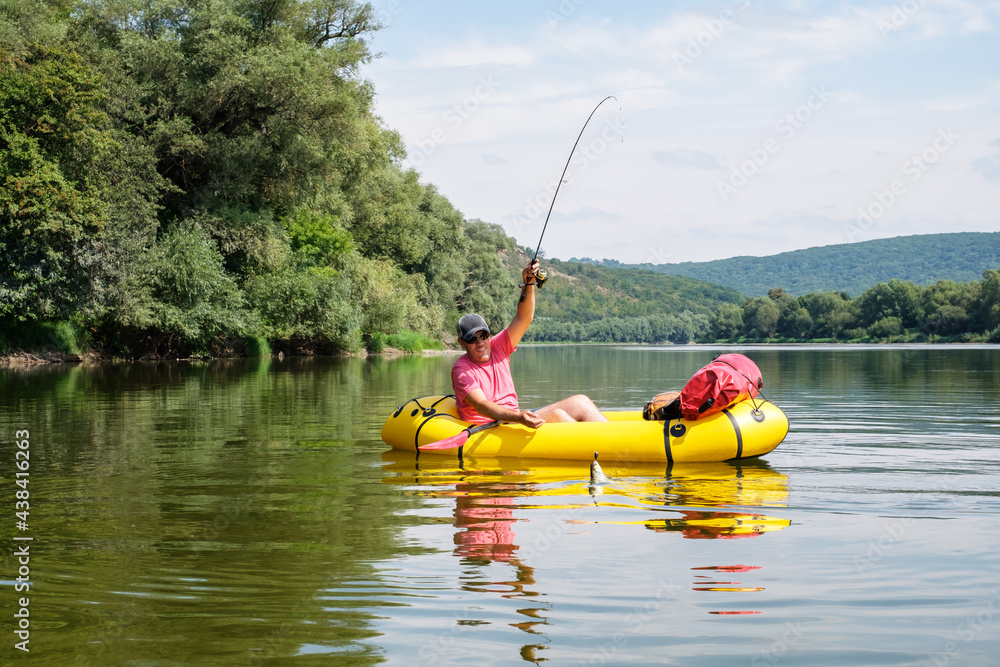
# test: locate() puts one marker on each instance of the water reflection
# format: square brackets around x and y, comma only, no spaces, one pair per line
[704,501]
[484,523]
[484,535]
[706,582]
[721,580]
[720,485]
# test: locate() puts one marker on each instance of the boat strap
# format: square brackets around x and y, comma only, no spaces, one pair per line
[416,434]
[429,413]
[739,433]
[666,438]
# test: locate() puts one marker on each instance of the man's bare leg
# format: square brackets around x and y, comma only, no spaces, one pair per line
[576,408]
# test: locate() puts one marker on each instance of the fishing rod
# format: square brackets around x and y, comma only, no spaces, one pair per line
[541,275]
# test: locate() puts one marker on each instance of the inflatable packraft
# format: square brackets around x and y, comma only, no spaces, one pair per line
[729,420]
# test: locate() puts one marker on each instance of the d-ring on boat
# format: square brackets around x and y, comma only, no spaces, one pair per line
[743,430]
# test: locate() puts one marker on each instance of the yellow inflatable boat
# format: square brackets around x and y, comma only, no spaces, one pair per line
[741,431]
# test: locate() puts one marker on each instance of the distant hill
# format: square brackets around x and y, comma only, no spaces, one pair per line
[588,302]
[848,267]
[580,292]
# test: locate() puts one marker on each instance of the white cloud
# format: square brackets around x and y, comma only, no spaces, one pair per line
[687,159]
[989,165]
[687,128]
[473,53]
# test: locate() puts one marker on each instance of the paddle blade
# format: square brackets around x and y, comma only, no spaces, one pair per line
[454,442]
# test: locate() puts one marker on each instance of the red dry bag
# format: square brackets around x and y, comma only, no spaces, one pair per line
[728,379]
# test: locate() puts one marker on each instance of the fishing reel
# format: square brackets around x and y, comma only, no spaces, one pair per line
[541,275]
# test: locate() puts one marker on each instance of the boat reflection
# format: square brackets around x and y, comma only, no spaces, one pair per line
[718,485]
[704,501]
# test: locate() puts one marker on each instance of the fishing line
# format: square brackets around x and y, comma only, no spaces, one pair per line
[540,279]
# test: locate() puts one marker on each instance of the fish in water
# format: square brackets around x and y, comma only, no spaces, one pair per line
[597,475]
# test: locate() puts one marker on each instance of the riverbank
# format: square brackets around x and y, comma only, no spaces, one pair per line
[34,343]
[27,358]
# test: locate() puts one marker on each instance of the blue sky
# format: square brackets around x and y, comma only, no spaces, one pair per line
[740,127]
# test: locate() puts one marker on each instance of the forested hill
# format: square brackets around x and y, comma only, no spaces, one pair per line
[584,302]
[848,267]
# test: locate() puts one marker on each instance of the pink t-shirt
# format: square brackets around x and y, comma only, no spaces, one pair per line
[493,377]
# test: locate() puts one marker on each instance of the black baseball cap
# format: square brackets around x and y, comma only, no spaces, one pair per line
[469,325]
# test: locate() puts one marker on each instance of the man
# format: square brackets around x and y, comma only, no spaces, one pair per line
[484,389]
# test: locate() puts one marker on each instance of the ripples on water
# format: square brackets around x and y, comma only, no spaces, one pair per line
[246,513]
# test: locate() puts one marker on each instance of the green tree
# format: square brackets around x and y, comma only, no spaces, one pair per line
[485,285]
[726,322]
[832,313]
[886,327]
[947,320]
[794,321]
[249,104]
[310,309]
[52,137]
[190,303]
[948,307]
[893,299]
[987,310]
[686,327]
[317,239]
[760,317]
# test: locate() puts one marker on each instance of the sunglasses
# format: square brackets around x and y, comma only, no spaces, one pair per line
[482,335]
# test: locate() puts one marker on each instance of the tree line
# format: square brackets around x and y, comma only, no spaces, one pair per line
[210,178]
[893,311]
[685,327]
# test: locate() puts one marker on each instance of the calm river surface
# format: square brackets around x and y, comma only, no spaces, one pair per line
[248,513]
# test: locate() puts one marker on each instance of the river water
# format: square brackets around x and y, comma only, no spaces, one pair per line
[247,512]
